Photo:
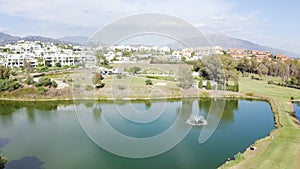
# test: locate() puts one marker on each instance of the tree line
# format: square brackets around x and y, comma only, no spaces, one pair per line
[223,68]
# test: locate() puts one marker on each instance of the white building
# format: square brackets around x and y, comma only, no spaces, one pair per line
[37,53]
[175,58]
[164,49]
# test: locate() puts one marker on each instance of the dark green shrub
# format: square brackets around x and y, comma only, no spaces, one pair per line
[239,157]
[41,90]
[77,85]
[120,87]
[148,82]
[208,85]
[29,81]
[54,84]
[44,81]
[236,86]
[8,84]
[134,70]
[58,64]
[101,85]
[89,87]
[14,85]
[119,76]
[3,162]
[37,84]
[200,84]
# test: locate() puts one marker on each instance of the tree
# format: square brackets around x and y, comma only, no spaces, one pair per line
[29,80]
[4,72]
[27,66]
[134,70]
[58,64]
[273,70]
[44,81]
[236,86]
[3,162]
[208,85]
[185,77]
[262,70]
[14,85]
[54,84]
[213,68]
[127,53]
[148,82]
[48,64]
[282,71]
[8,84]
[200,84]
[229,66]
[244,65]
[40,61]
[253,67]
[97,78]
[193,54]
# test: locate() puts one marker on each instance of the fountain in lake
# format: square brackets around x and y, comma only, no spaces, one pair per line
[196,121]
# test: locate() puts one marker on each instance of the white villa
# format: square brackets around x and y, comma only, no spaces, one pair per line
[36,53]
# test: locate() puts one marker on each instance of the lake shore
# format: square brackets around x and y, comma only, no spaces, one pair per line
[281,149]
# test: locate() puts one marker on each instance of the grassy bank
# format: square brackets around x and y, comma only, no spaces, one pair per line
[282,148]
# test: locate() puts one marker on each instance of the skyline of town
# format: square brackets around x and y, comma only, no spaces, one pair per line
[54,54]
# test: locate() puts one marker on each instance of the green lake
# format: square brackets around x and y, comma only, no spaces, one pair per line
[55,135]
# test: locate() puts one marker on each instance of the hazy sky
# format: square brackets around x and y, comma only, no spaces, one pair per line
[267,22]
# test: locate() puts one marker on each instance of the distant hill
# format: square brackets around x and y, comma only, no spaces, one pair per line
[75,39]
[216,40]
[6,38]
[41,39]
[229,42]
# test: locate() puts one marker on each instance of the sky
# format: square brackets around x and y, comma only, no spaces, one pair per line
[267,22]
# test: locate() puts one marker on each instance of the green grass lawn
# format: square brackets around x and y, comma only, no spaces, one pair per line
[282,149]
[248,85]
[135,87]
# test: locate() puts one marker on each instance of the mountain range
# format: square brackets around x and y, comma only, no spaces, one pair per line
[216,40]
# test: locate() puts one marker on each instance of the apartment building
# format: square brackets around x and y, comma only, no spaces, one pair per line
[238,53]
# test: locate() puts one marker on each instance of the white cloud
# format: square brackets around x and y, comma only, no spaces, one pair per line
[98,12]
[228,24]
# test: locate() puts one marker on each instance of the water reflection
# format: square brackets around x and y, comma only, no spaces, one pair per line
[25,163]
[97,113]
[9,107]
[147,104]
[30,114]
[6,120]
[3,142]
[230,107]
